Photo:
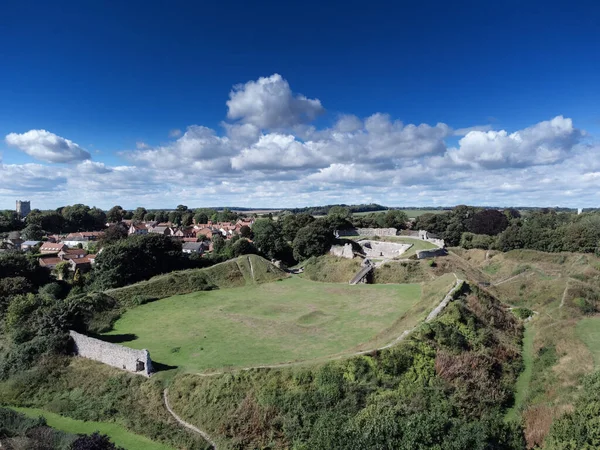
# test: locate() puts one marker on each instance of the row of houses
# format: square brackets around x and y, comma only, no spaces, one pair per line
[191,233]
[55,253]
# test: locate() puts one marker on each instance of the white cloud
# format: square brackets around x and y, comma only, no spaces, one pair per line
[270,155]
[269,103]
[544,143]
[176,132]
[48,147]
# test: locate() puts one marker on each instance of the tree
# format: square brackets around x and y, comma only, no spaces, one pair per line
[114,233]
[269,239]
[200,218]
[32,232]
[95,441]
[488,221]
[115,214]
[175,217]
[187,219]
[120,264]
[243,247]
[139,214]
[61,270]
[312,240]
[340,211]
[161,216]
[291,223]
[218,243]
[394,218]
[149,217]
[246,232]
[182,208]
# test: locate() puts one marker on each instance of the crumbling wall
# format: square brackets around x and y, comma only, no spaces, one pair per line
[368,232]
[343,251]
[125,358]
[381,249]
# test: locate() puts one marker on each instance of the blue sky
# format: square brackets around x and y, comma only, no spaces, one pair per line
[289,104]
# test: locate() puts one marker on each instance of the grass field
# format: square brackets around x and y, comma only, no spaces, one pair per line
[290,320]
[522,385]
[118,434]
[417,244]
[588,330]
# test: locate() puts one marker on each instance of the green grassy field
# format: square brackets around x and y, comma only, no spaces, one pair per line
[588,330]
[417,244]
[118,434]
[522,385]
[289,320]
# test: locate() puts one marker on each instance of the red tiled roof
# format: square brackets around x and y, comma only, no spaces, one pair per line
[49,260]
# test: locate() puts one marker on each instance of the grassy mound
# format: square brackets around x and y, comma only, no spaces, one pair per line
[247,269]
[291,320]
[331,269]
[455,375]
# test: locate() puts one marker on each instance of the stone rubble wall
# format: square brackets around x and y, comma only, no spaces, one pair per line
[380,249]
[368,232]
[115,355]
[342,251]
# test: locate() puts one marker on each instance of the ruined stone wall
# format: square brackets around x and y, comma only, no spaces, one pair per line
[343,251]
[380,249]
[422,254]
[368,232]
[136,361]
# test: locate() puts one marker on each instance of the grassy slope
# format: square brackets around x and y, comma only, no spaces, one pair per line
[588,330]
[331,269]
[270,406]
[540,281]
[118,434]
[291,320]
[247,269]
[522,385]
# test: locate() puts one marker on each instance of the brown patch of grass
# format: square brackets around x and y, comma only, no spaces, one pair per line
[537,421]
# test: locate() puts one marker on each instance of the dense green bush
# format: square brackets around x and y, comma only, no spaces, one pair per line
[579,429]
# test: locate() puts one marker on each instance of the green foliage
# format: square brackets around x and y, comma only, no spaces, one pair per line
[579,429]
[291,223]
[9,221]
[269,239]
[115,214]
[314,239]
[134,259]
[20,431]
[522,313]
[139,214]
[393,218]
[243,247]
[32,232]
[470,240]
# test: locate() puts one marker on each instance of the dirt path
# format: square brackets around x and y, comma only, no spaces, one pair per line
[182,422]
[509,279]
[564,296]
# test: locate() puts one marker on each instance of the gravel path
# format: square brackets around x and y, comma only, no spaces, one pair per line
[182,422]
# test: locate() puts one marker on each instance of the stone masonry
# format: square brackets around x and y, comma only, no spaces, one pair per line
[343,251]
[368,232]
[136,361]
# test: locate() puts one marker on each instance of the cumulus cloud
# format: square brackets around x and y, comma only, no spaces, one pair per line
[270,154]
[269,103]
[176,132]
[278,151]
[544,143]
[48,147]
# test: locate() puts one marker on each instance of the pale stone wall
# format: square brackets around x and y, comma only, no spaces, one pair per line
[136,361]
[368,232]
[343,251]
[380,249]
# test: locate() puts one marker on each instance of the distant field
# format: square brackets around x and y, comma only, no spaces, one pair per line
[588,330]
[289,320]
[117,433]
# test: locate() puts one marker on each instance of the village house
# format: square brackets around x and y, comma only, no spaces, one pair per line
[83,238]
[137,229]
[29,245]
[49,261]
[192,247]
[165,231]
[72,253]
[52,247]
